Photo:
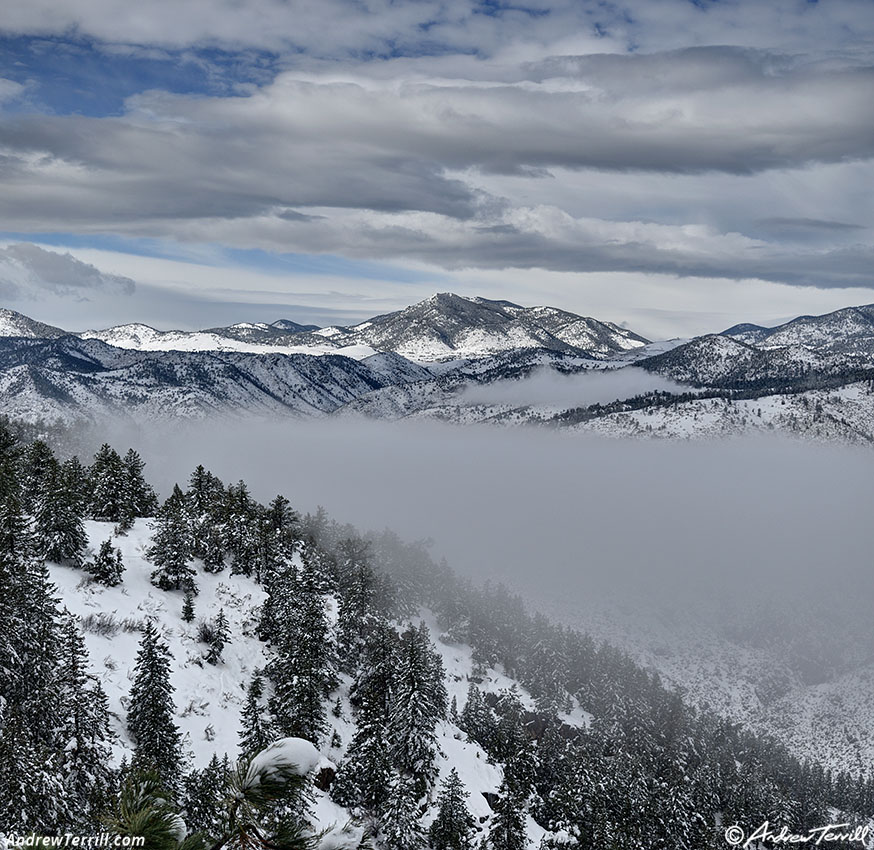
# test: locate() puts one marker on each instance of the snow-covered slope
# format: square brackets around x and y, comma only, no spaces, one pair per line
[146,338]
[69,380]
[443,327]
[824,714]
[208,699]
[15,324]
[447,326]
[846,331]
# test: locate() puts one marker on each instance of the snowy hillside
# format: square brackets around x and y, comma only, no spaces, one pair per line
[146,338]
[443,327]
[429,711]
[448,326]
[15,324]
[209,699]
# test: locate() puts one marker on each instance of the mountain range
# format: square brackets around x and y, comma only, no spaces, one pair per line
[812,375]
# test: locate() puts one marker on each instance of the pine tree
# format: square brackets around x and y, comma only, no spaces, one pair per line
[107,481]
[37,465]
[212,548]
[363,780]
[508,826]
[372,691]
[453,827]
[399,824]
[302,672]
[140,498]
[277,535]
[241,529]
[477,719]
[171,546]
[75,478]
[417,704]
[84,736]
[205,499]
[150,717]
[188,607]
[31,712]
[203,792]
[356,613]
[107,566]
[58,520]
[255,734]
[145,810]
[219,637]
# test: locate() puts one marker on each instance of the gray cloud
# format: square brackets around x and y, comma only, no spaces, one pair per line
[662,159]
[30,273]
[808,224]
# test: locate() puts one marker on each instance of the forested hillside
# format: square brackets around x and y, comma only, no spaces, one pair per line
[155,651]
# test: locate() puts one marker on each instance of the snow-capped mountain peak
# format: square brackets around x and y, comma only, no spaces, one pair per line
[16,324]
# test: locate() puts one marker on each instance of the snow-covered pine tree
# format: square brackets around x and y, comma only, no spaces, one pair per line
[255,733]
[219,637]
[362,782]
[302,671]
[58,517]
[211,547]
[107,566]
[75,478]
[144,810]
[107,481]
[372,690]
[31,793]
[477,719]
[86,770]
[241,514]
[37,463]
[278,528]
[32,796]
[171,546]
[204,499]
[399,824]
[157,743]
[203,792]
[436,674]
[139,495]
[453,827]
[205,493]
[357,590]
[417,704]
[507,830]
[188,607]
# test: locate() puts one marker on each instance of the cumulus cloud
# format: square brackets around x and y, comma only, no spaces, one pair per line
[30,273]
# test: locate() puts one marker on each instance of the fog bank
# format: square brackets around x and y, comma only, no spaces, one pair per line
[583,515]
[546,386]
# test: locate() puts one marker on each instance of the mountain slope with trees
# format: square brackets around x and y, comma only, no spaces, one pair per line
[438,714]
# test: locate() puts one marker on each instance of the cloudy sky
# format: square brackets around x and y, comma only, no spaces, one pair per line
[675,165]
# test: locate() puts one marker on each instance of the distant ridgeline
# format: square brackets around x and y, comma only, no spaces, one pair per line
[347,657]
